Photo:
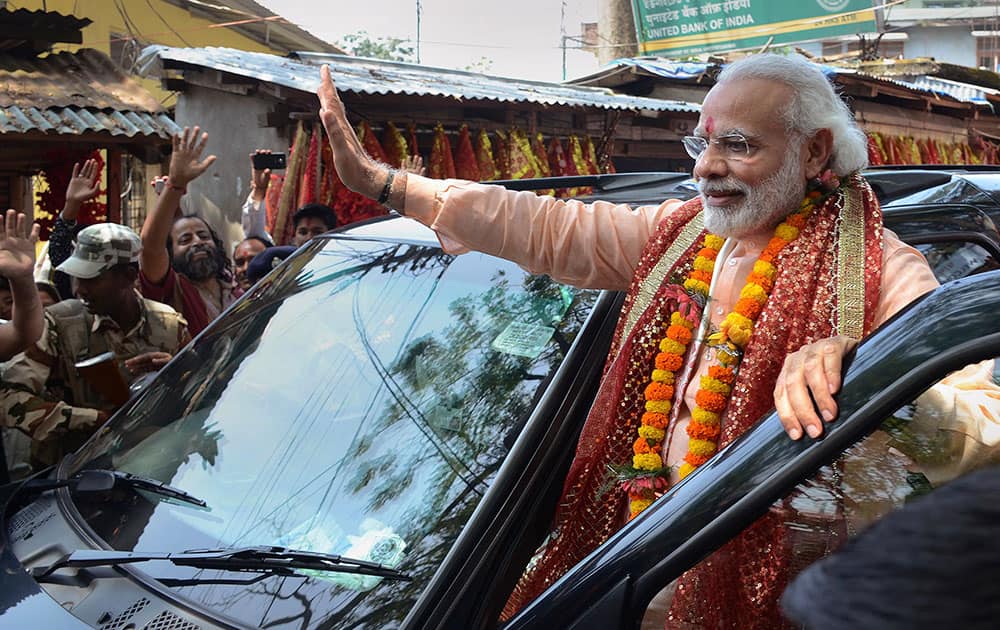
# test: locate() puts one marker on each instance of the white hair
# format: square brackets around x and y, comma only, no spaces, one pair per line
[815,105]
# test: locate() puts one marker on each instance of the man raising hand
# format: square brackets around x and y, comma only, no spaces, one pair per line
[183,262]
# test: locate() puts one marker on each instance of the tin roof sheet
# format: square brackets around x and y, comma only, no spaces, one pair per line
[75,93]
[77,121]
[622,71]
[961,91]
[369,76]
[18,26]
[924,88]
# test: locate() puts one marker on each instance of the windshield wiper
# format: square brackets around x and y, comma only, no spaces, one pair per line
[153,486]
[100,480]
[274,560]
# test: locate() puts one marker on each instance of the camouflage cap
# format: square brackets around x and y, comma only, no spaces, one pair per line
[100,247]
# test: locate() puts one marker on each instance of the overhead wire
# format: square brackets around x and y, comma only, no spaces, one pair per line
[133,40]
[167,24]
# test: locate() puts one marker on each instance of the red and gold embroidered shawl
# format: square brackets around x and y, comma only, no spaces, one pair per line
[828,284]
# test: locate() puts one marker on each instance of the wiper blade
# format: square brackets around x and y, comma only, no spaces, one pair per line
[100,480]
[156,487]
[276,560]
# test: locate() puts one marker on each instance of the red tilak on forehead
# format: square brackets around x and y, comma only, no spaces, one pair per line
[709,125]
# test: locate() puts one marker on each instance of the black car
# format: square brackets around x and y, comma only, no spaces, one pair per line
[376,435]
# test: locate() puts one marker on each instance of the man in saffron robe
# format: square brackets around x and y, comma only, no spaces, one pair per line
[783,220]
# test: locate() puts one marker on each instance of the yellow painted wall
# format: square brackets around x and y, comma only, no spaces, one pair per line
[152,22]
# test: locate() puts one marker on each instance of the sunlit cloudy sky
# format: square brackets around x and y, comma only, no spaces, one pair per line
[515,38]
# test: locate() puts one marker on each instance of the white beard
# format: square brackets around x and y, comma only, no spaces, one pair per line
[762,207]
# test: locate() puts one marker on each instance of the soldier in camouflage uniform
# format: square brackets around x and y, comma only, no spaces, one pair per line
[17,254]
[43,392]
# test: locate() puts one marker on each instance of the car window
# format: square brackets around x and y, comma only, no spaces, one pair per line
[957,259]
[950,430]
[360,404]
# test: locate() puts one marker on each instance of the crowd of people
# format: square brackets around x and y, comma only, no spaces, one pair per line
[103,292]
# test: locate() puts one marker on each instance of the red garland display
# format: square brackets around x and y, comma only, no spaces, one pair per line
[477,159]
[466,165]
[309,190]
[413,146]
[886,149]
[395,145]
[484,157]
[441,164]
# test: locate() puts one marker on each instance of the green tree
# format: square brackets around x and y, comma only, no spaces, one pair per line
[482,65]
[361,44]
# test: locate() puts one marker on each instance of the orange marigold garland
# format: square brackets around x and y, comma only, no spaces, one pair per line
[648,476]
[732,338]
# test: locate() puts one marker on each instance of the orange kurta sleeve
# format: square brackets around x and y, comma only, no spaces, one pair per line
[594,245]
[905,277]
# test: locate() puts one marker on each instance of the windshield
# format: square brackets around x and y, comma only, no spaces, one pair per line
[359,402]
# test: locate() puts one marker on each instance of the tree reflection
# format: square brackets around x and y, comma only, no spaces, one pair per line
[470,400]
[457,396]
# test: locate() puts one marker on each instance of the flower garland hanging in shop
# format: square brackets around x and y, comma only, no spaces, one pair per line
[648,476]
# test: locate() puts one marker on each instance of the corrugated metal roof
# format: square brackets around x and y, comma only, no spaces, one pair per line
[76,121]
[368,76]
[925,88]
[280,34]
[48,26]
[961,91]
[75,93]
[669,69]
[622,70]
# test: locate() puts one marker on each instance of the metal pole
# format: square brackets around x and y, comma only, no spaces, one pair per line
[562,32]
[418,30]
[564,56]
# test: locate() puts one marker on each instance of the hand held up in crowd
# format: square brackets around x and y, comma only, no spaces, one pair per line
[357,170]
[17,246]
[260,179]
[413,164]
[17,264]
[84,185]
[185,163]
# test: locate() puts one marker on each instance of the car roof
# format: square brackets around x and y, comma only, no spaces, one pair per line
[891,183]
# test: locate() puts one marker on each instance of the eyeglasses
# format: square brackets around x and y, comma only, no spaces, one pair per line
[733,146]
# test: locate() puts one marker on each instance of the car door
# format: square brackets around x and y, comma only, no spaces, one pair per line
[957,239]
[877,455]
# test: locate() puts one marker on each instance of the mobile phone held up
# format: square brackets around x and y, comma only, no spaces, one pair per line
[273,161]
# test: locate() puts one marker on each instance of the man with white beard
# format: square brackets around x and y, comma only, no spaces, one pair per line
[745,298]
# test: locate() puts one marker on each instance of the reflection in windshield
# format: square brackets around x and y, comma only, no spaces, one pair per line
[359,403]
